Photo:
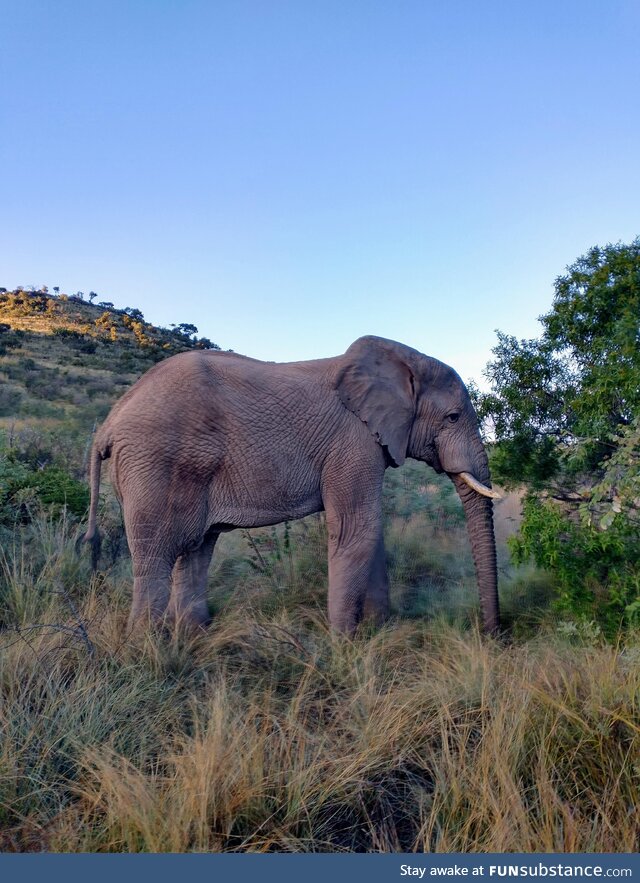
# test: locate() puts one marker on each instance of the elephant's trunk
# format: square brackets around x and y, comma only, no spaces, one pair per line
[478,510]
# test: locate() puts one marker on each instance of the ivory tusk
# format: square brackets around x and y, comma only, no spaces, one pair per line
[478,486]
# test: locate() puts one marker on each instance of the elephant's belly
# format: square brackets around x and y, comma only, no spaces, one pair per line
[230,519]
[260,497]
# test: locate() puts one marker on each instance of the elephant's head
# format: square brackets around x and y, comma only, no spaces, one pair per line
[418,407]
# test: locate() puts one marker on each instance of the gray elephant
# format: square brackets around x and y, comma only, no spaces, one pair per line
[206,442]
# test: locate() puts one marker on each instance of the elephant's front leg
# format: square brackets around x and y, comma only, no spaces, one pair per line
[356,582]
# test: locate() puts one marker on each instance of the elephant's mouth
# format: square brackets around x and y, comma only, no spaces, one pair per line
[478,487]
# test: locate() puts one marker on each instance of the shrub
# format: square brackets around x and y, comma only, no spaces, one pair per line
[56,488]
[11,340]
[51,486]
[10,399]
[596,572]
[67,333]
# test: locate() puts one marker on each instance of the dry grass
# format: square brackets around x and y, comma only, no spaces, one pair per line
[271,733]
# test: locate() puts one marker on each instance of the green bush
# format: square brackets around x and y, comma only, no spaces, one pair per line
[57,488]
[67,333]
[596,572]
[22,488]
[10,399]
[13,476]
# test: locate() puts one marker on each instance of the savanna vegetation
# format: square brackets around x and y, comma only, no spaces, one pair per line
[271,733]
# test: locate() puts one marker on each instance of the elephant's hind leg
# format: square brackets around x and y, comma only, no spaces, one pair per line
[188,603]
[152,558]
[151,583]
[165,515]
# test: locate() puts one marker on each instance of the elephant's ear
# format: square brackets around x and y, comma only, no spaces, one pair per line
[376,383]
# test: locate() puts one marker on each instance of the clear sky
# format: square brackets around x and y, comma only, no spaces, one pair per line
[291,174]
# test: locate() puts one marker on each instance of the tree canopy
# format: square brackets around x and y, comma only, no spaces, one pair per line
[564,411]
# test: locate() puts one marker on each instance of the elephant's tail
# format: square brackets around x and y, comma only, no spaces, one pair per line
[92,534]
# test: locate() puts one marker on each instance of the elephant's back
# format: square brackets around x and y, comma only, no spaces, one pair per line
[164,392]
[216,395]
[175,379]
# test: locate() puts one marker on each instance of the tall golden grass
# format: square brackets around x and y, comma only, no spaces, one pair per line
[270,733]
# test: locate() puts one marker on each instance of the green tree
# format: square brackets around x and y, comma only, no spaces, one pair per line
[186,329]
[203,343]
[564,410]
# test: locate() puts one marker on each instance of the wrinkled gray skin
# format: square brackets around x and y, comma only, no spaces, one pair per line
[207,441]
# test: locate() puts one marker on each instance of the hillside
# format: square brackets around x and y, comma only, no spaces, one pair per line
[64,361]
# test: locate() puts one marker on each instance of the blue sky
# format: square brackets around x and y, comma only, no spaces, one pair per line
[291,174]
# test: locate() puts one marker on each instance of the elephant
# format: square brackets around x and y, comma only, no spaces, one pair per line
[209,441]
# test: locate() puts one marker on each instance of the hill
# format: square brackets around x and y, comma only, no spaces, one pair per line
[64,361]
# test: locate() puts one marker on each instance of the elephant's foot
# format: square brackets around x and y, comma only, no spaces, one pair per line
[191,622]
[150,600]
[186,625]
[145,620]
[376,606]
[375,616]
[344,617]
[188,609]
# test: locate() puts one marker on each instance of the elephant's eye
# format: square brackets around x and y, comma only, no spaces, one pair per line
[453,418]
